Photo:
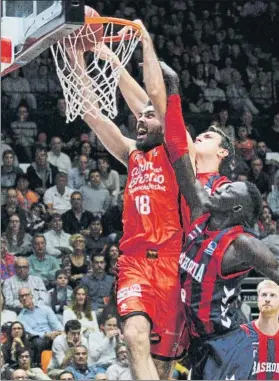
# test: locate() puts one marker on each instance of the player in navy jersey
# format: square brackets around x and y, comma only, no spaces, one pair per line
[219,252]
[264,334]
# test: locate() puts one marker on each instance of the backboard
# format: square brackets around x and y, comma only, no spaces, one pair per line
[28,27]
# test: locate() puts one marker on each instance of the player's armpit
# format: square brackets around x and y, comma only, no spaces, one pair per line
[254,253]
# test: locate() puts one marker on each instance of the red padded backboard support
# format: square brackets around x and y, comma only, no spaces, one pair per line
[6,50]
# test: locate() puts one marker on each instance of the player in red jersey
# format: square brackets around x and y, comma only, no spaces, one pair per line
[148,290]
[264,333]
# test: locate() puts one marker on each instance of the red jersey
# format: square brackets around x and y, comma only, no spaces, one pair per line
[210,181]
[151,218]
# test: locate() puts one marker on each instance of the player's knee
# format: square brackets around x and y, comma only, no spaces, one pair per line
[136,332]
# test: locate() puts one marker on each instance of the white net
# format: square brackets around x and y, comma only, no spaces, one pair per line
[102,75]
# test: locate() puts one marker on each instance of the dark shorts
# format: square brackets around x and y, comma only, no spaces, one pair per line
[228,357]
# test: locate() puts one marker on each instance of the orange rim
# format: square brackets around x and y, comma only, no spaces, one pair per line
[115,20]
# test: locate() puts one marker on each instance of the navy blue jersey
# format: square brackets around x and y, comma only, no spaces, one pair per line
[265,353]
[206,293]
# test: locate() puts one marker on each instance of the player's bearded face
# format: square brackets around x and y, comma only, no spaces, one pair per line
[268,301]
[149,130]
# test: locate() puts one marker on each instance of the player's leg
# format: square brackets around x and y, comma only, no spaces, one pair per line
[135,302]
[136,334]
[169,320]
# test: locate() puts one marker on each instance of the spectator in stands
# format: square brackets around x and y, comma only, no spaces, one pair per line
[191,93]
[57,126]
[63,345]
[17,338]
[223,121]
[85,148]
[79,264]
[19,374]
[112,254]
[260,178]
[245,146]
[57,198]
[272,134]
[121,369]
[80,369]
[109,178]
[113,226]
[23,278]
[23,360]
[56,157]
[262,150]
[24,133]
[81,309]
[76,220]
[99,283]
[266,225]
[9,173]
[261,91]
[213,94]
[36,219]
[66,375]
[78,175]
[238,96]
[57,241]
[41,174]
[25,196]
[247,120]
[273,197]
[18,242]
[95,240]
[7,315]
[41,263]
[199,76]
[5,371]
[5,146]
[101,345]
[18,89]
[60,295]
[7,260]
[96,198]
[42,83]
[40,321]
[226,72]
[11,207]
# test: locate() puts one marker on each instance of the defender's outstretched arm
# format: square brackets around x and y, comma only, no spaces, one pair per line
[252,252]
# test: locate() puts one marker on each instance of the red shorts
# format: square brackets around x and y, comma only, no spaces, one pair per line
[151,287]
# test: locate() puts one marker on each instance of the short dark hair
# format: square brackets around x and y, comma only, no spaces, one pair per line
[96,170]
[226,143]
[75,193]
[20,351]
[38,235]
[55,215]
[60,272]
[73,325]
[64,372]
[8,152]
[40,148]
[256,201]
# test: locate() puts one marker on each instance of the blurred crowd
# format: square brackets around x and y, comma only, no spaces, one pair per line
[62,193]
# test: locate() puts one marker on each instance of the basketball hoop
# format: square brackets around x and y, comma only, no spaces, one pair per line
[102,76]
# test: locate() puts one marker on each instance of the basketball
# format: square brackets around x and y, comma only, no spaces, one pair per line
[89,34]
